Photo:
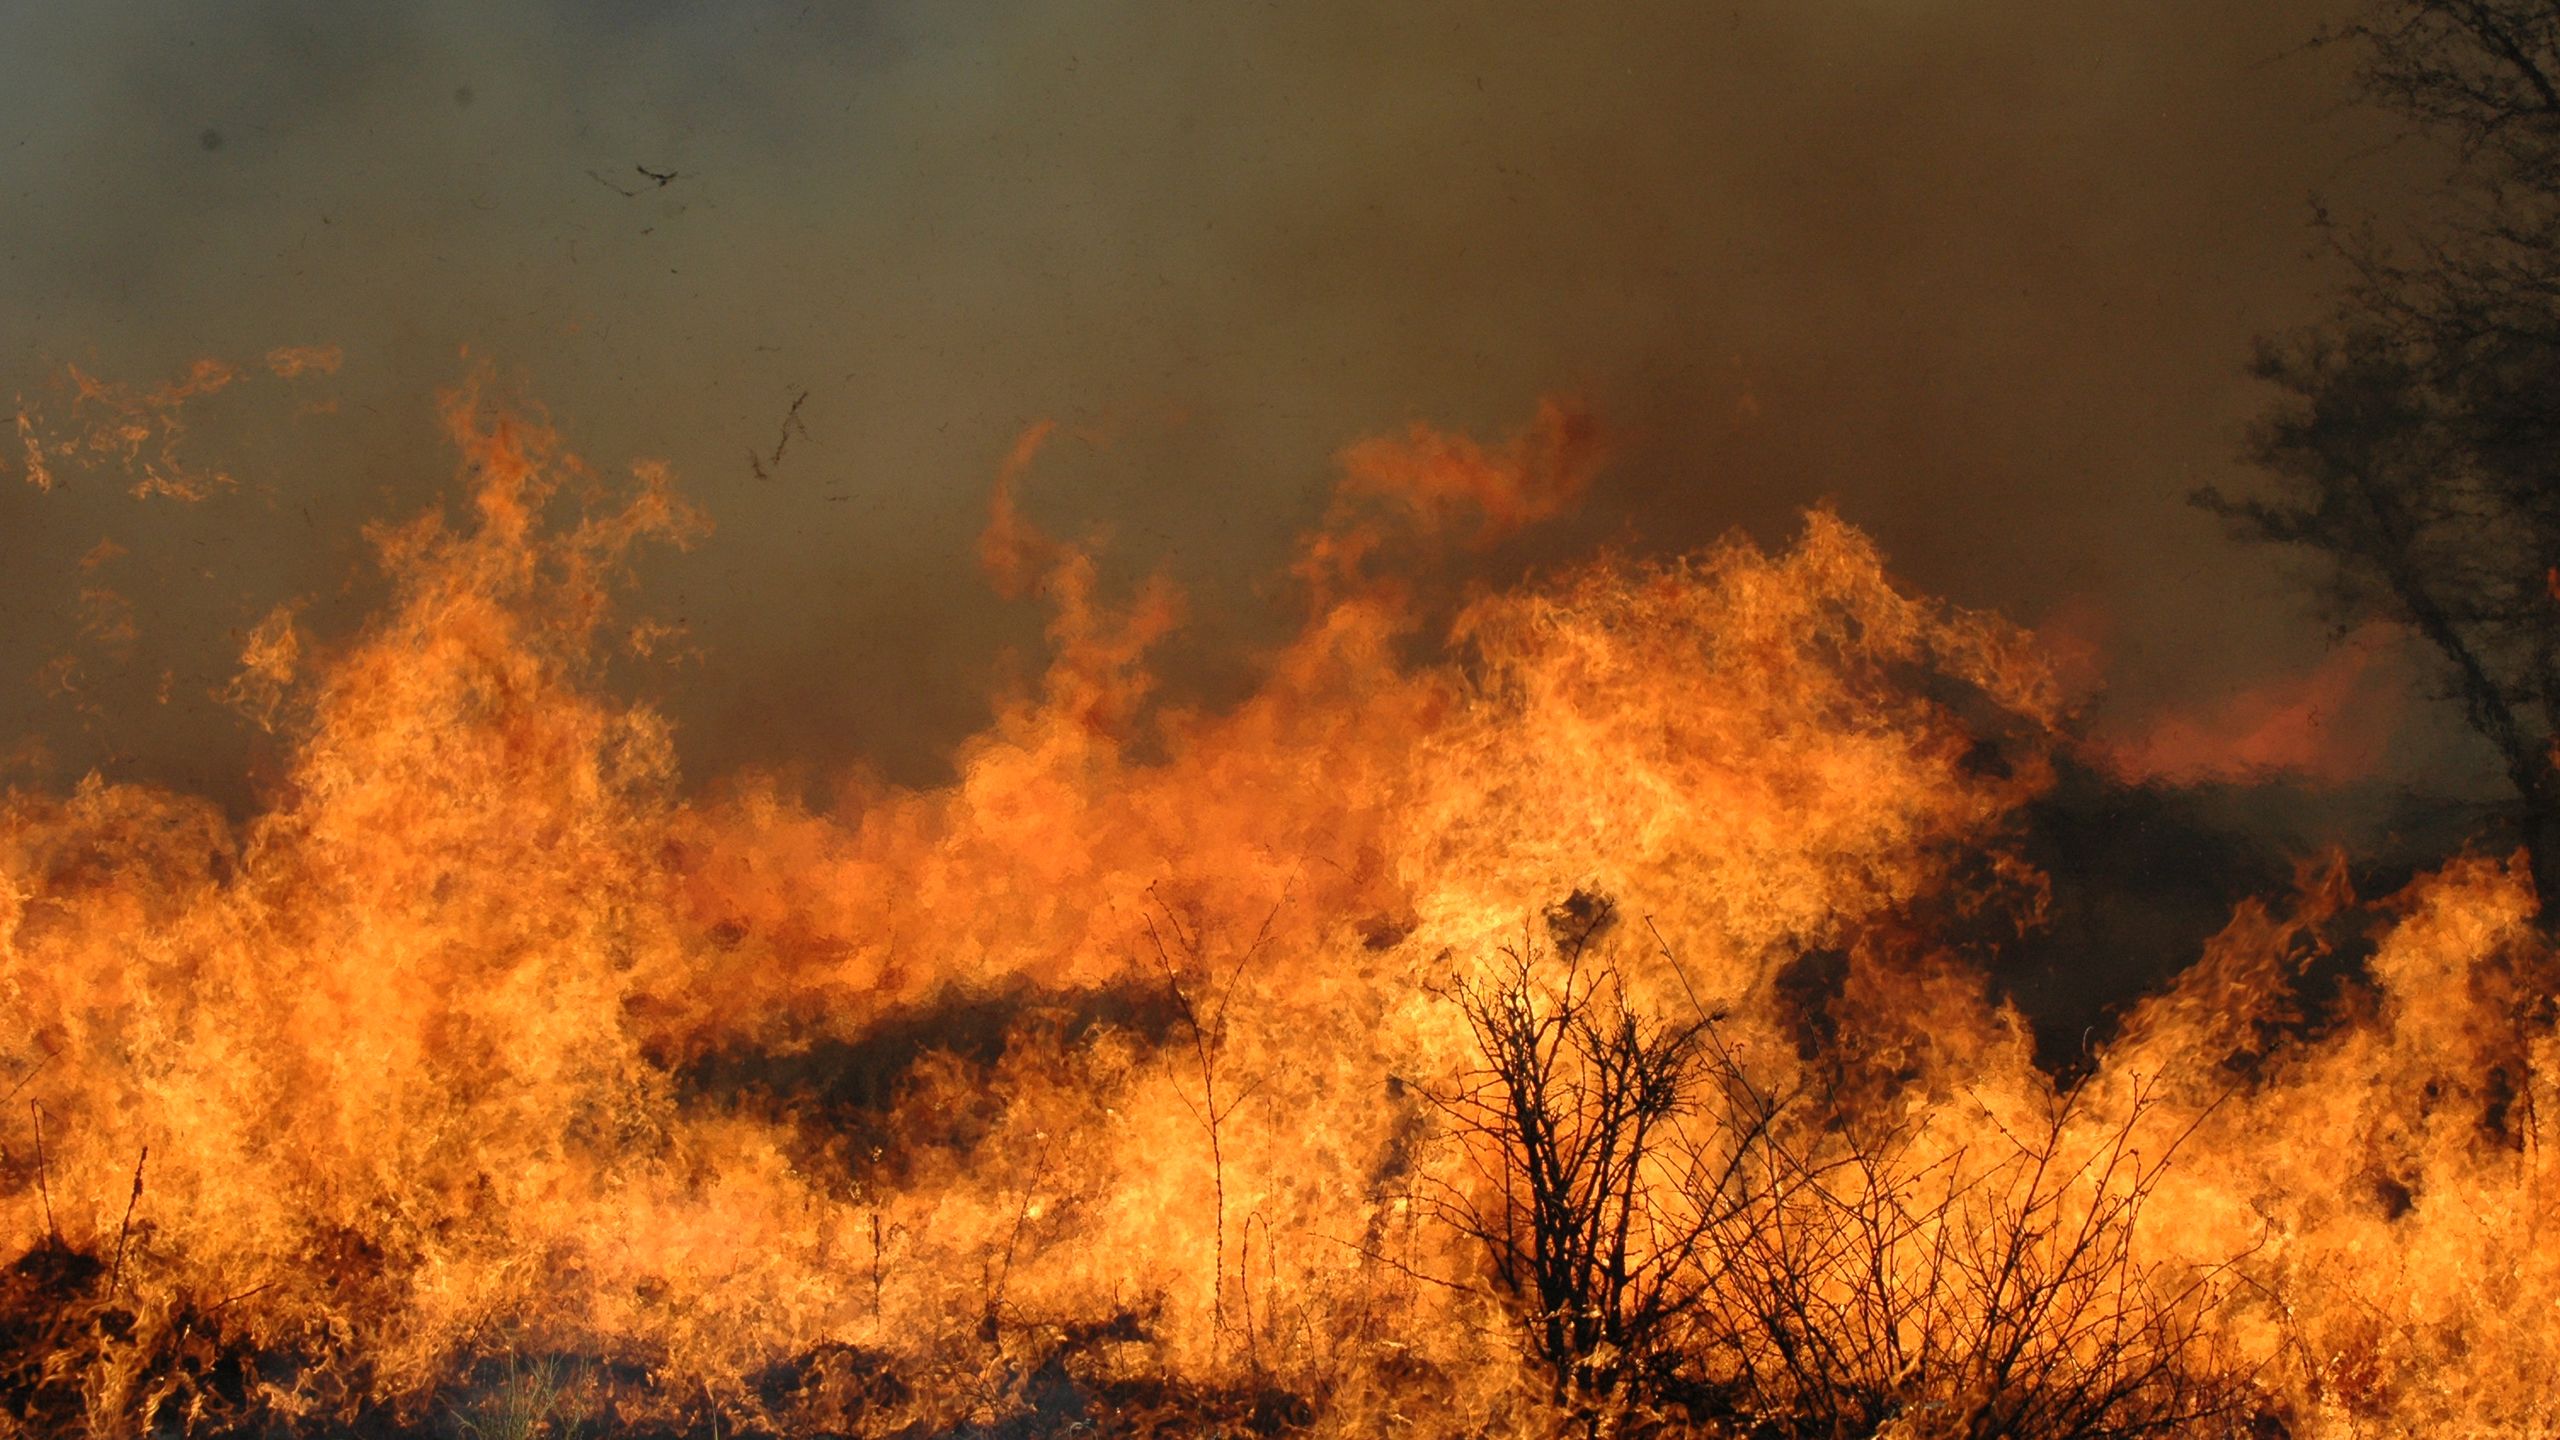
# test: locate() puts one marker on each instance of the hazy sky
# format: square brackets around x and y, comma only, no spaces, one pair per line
[1984,272]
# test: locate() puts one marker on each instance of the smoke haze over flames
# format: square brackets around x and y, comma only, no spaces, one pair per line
[1975,275]
[1061,863]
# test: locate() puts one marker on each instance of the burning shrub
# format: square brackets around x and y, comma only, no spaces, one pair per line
[1994,1288]
[1669,1229]
[1577,1166]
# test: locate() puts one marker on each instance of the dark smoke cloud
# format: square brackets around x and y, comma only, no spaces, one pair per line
[1983,273]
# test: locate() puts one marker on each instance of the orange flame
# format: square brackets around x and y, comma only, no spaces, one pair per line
[2330,725]
[485,1039]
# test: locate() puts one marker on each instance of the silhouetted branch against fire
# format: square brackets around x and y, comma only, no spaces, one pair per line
[1670,1229]
[2409,448]
[1569,1125]
[1203,1003]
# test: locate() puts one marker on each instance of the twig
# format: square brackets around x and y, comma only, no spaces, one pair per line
[790,423]
[43,1188]
[1208,1036]
[1012,1243]
[29,1077]
[763,466]
[662,180]
[116,1275]
[1680,971]
[230,1300]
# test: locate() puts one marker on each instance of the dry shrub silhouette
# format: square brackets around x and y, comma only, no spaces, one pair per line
[1683,1242]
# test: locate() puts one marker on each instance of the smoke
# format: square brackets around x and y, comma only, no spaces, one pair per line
[1983,274]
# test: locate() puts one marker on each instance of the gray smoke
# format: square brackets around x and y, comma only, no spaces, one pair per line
[1982,273]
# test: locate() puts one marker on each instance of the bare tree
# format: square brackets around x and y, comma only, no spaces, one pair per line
[1575,1151]
[2414,447]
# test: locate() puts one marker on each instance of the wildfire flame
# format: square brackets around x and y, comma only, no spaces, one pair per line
[1135,1055]
[2330,724]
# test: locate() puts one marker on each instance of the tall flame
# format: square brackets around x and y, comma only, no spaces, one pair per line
[1112,1061]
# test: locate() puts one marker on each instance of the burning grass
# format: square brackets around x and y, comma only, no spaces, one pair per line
[1580,1028]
